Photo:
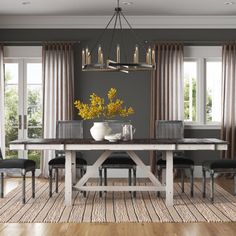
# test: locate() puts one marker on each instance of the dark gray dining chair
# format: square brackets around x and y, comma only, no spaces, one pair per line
[69,129]
[118,159]
[174,129]
[24,165]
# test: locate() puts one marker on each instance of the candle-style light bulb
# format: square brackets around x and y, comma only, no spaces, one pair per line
[136,51]
[118,53]
[83,57]
[86,55]
[89,57]
[99,54]
[153,56]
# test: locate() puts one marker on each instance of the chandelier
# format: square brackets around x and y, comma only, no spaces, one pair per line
[94,59]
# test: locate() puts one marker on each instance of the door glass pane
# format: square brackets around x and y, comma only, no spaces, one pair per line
[34,106]
[190,93]
[11,106]
[213,91]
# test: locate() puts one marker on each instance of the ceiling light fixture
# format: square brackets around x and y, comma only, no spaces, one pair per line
[229,3]
[127,3]
[121,62]
[26,3]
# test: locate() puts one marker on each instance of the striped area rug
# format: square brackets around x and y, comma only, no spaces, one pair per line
[117,206]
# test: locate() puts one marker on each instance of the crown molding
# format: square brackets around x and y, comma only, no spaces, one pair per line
[97,22]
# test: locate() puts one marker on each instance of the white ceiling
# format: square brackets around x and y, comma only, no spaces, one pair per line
[105,7]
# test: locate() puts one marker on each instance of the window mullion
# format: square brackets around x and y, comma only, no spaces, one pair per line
[201,91]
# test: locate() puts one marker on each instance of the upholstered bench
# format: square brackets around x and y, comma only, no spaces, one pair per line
[219,166]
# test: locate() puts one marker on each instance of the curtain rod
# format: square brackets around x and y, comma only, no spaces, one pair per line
[7,42]
[190,42]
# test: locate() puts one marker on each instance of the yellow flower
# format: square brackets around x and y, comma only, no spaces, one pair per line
[111,94]
[97,107]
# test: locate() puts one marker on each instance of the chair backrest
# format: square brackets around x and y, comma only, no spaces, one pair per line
[169,129]
[116,125]
[69,129]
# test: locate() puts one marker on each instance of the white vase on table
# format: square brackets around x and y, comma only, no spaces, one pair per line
[99,130]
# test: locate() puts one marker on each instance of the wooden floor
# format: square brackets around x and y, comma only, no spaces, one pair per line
[123,229]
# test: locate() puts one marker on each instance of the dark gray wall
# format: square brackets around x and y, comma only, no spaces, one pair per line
[134,88]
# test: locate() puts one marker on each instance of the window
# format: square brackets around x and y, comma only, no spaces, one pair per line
[202,85]
[23,100]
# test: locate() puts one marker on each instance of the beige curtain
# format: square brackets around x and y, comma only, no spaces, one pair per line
[2,111]
[229,99]
[58,91]
[166,87]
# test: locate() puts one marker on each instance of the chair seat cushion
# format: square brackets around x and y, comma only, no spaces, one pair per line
[17,163]
[119,160]
[176,161]
[220,164]
[61,161]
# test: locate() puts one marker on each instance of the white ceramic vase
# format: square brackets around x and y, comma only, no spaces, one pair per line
[99,130]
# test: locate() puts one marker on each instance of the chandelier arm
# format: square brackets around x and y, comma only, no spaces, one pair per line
[101,35]
[132,30]
[122,37]
[112,36]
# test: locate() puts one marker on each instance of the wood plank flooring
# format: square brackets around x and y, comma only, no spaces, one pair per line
[120,229]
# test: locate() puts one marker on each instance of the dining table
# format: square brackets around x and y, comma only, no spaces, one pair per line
[70,146]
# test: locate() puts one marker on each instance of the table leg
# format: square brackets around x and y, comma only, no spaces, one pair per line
[73,163]
[169,178]
[68,178]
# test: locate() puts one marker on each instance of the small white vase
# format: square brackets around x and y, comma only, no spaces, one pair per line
[99,130]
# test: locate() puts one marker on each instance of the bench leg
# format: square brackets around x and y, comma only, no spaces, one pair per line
[56,178]
[50,181]
[83,173]
[2,185]
[192,181]
[203,183]
[33,184]
[182,179]
[134,181]
[129,178]
[159,174]
[100,181]
[212,185]
[23,187]
[235,184]
[105,178]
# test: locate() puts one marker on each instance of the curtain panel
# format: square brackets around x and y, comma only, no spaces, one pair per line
[2,110]
[58,91]
[228,99]
[166,88]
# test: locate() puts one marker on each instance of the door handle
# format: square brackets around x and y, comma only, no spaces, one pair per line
[20,122]
[25,121]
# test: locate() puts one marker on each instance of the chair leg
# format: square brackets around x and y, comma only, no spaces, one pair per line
[235,184]
[203,183]
[2,185]
[23,187]
[100,181]
[212,185]
[50,181]
[129,178]
[83,173]
[56,176]
[134,180]
[33,184]
[159,174]
[105,178]
[192,181]
[182,179]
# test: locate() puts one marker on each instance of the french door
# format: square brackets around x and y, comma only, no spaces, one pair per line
[23,104]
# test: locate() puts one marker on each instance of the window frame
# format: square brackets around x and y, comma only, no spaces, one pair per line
[201,61]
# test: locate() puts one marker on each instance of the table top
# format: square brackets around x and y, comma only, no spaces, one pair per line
[142,141]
